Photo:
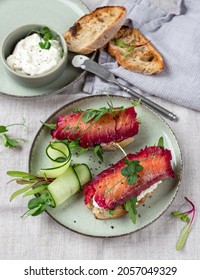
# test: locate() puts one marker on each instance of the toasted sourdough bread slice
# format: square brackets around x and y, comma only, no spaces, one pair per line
[95,30]
[134,52]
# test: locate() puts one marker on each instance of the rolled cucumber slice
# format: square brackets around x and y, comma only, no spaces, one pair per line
[69,183]
[64,186]
[60,158]
[83,172]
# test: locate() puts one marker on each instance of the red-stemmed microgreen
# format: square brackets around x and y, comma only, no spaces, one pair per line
[184,217]
[8,141]
[34,186]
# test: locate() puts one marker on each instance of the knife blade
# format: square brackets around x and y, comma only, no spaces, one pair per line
[91,66]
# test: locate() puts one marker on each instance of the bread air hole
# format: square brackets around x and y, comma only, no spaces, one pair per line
[147,58]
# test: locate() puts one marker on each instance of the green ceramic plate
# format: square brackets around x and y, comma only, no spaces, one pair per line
[59,14]
[73,214]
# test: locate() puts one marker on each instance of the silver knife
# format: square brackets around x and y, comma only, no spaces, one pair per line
[91,66]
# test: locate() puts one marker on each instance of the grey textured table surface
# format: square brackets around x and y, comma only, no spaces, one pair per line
[43,238]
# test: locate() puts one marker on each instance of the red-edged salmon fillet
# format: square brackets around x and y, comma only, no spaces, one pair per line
[111,127]
[109,189]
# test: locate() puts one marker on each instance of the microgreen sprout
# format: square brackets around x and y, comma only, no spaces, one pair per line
[130,171]
[46,35]
[184,217]
[34,186]
[8,141]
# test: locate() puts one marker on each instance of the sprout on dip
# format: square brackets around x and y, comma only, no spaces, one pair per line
[36,54]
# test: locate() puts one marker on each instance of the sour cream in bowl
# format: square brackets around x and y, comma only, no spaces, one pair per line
[34,55]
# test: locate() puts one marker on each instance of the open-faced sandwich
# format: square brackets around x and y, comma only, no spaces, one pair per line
[103,126]
[128,183]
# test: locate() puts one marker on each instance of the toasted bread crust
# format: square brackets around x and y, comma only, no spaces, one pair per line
[119,211]
[94,30]
[142,58]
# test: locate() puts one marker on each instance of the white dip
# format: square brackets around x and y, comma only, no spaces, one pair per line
[29,58]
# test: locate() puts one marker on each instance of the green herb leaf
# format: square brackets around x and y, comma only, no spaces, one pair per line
[3,128]
[111,212]
[131,179]
[89,115]
[73,145]
[183,237]
[98,152]
[130,171]
[136,103]
[21,174]
[36,190]
[130,207]
[33,212]
[49,125]
[35,202]
[9,142]
[45,45]
[161,142]
[20,191]
[41,209]
[186,230]
[181,216]
[120,43]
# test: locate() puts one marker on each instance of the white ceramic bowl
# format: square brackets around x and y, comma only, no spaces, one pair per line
[9,44]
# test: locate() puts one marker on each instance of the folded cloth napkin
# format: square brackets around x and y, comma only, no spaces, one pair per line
[177,37]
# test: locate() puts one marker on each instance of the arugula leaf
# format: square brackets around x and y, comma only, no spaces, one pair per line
[130,207]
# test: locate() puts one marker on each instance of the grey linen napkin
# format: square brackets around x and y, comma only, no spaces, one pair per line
[177,37]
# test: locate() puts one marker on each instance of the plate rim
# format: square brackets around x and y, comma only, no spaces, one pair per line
[60,90]
[143,105]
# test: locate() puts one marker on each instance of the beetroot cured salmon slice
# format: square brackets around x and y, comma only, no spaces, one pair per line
[109,189]
[111,127]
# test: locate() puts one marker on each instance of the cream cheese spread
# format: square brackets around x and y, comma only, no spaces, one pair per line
[29,58]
